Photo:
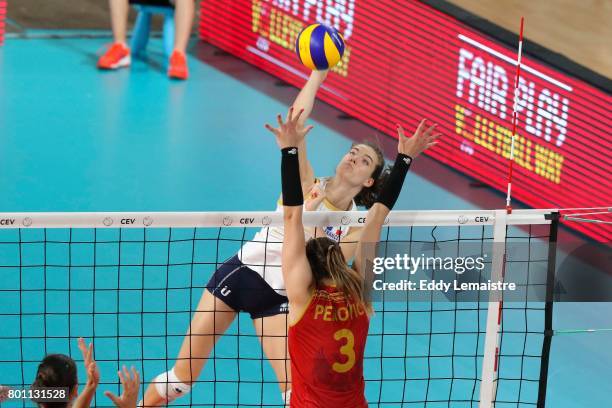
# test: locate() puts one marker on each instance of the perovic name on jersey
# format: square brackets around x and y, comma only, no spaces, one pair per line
[330,313]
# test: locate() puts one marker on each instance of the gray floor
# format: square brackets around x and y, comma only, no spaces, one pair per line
[59,14]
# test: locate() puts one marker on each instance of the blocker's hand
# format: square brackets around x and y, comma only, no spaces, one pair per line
[91,368]
[290,133]
[424,137]
[130,382]
[316,196]
[93,375]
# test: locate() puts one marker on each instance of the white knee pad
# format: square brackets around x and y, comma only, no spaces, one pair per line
[287,397]
[170,387]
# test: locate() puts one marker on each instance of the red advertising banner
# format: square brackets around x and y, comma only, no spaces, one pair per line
[2,20]
[405,61]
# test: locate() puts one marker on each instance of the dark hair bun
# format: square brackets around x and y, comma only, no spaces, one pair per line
[56,370]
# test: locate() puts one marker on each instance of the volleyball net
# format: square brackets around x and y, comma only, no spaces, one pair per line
[130,282]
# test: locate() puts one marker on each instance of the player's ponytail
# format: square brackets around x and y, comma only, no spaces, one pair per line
[327,262]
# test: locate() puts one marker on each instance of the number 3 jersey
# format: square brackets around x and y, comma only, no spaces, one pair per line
[326,346]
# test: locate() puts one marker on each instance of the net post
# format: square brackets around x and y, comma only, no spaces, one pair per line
[548,309]
[488,383]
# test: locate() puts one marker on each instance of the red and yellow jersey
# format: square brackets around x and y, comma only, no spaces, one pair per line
[326,347]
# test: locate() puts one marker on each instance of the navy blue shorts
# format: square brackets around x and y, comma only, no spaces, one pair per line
[244,290]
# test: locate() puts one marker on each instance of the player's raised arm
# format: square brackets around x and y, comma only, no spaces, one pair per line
[306,98]
[407,150]
[93,375]
[296,270]
[304,102]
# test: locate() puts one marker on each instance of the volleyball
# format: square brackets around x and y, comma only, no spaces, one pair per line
[319,47]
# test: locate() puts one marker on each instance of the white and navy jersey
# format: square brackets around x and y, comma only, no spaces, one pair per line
[263,253]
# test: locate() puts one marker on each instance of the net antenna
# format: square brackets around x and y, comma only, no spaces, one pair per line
[488,386]
[514,118]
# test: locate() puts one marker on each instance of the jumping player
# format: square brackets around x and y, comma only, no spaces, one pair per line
[328,310]
[257,266]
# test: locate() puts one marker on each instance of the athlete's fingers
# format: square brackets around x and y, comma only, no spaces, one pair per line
[81,343]
[136,377]
[421,126]
[290,115]
[113,398]
[308,129]
[400,132]
[121,378]
[87,354]
[272,129]
[297,118]
[430,129]
[435,136]
[126,373]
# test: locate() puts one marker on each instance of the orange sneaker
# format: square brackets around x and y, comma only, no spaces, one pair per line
[117,56]
[178,66]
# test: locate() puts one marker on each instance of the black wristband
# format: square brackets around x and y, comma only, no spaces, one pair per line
[290,177]
[393,186]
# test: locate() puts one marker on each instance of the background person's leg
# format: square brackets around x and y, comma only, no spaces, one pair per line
[119,19]
[184,13]
[118,55]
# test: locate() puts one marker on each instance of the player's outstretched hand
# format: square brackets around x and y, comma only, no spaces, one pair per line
[93,376]
[130,383]
[424,137]
[91,368]
[316,197]
[289,133]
